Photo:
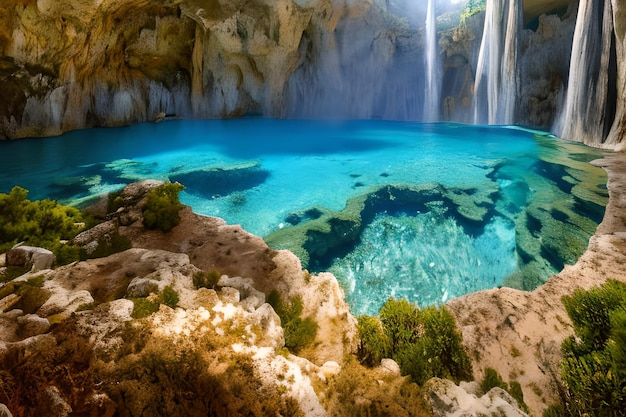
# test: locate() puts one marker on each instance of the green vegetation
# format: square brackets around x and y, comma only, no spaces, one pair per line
[493,379]
[162,207]
[145,306]
[473,7]
[594,360]
[299,332]
[425,343]
[170,296]
[43,223]
[358,391]
[208,279]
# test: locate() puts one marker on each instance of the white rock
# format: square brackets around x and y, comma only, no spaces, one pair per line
[32,257]
[451,400]
[32,325]
[390,366]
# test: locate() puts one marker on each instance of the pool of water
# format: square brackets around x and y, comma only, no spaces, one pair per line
[422,211]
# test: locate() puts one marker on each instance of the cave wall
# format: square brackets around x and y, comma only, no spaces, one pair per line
[71,64]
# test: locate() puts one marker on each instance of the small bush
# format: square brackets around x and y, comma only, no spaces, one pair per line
[473,7]
[9,273]
[43,223]
[208,279]
[143,307]
[170,297]
[515,389]
[114,201]
[492,379]
[299,332]
[593,365]
[374,344]
[425,343]
[162,207]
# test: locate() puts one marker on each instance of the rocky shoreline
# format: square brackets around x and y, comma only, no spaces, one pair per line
[520,333]
[93,304]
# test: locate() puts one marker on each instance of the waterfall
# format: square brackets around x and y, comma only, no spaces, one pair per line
[431,100]
[584,117]
[496,82]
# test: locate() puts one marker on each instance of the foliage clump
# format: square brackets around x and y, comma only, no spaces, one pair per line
[594,360]
[473,7]
[43,223]
[170,296]
[360,391]
[208,279]
[145,306]
[162,207]
[299,332]
[425,343]
[493,379]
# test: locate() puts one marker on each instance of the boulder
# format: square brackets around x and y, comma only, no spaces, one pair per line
[390,366]
[448,399]
[32,325]
[32,257]
[142,287]
[250,296]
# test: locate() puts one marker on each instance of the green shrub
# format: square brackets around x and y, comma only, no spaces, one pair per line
[555,410]
[299,332]
[425,343]
[143,307]
[162,207]
[473,7]
[374,344]
[593,370]
[170,297]
[9,273]
[515,389]
[114,201]
[492,379]
[208,279]
[43,223]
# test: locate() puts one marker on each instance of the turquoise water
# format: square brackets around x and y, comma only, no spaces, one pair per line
[264,174]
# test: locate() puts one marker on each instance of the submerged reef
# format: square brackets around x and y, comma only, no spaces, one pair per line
[449,241]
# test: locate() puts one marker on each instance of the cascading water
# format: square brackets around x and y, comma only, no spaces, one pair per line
[584,116]
[431,101]
[496,82]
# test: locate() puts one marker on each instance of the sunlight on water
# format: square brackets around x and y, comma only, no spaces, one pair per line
[422,211]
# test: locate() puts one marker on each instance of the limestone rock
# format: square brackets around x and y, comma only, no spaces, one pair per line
[63,301]
[450,400]
[267,319]
[142,287]
[390,366]
[32,325]
[250,295]
[35,258]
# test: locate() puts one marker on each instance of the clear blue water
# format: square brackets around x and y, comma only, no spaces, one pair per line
[258,172]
